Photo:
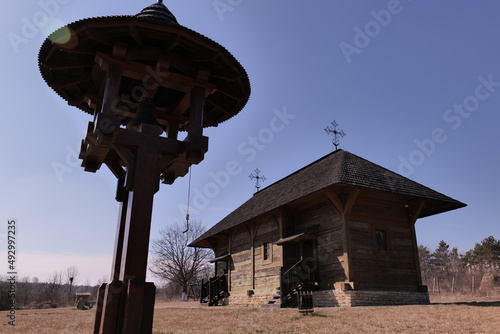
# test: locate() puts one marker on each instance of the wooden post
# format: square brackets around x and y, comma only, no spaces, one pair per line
[108,300]
[139,308]
[128,302]
[99,308]
[252,254]
[107,82]
[414,214]
[349,204]
[345,209]
[122,218]
[138,220]
[232,234]
[196,111]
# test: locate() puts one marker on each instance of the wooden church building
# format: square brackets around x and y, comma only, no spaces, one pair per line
[342,227]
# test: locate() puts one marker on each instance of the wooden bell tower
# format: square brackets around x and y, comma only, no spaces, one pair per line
[145,79]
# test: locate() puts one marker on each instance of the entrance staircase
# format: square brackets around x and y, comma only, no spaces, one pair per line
[275,301]
[300,278]
[214,290]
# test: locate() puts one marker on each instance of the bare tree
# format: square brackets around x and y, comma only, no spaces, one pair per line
[173,260]
[72,273]
[53,292]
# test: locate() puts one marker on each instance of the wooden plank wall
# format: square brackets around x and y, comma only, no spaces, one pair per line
[247,257]
[394,269]
[371,268]
[267,272]
[329,247]
[241,275]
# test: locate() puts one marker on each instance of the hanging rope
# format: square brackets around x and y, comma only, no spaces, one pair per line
[189,198]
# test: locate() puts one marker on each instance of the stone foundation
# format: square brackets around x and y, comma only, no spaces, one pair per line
[348,298]
[253,300]
[340,298]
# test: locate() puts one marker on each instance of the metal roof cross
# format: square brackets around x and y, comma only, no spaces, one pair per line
[336,133]
[258,178]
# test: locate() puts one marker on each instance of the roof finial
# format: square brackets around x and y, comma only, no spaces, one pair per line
[258,178]
[160,1]
[336,134]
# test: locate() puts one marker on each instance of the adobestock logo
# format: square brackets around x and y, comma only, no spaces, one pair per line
[42,20]
[453,116]
[248,151]
[373,28]
[258,142]
[223,6]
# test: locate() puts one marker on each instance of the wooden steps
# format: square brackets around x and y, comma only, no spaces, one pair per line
[274,302]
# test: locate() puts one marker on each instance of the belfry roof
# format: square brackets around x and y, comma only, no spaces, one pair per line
[158,12]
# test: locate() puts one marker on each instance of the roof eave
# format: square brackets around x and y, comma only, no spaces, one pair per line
[203,243]
[441,207]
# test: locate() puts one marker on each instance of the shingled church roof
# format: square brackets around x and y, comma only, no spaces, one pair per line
[337,168]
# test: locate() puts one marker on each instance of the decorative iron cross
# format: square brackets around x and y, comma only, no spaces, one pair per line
[336,133]
[258,178]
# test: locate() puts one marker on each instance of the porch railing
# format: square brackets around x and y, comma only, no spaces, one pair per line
[214,289]
[302,276]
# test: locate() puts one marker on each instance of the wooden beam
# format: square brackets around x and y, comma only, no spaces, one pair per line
[71,81]
[98,36]
[351,199]
[126,137]
[235,94]
[136,70]
[174,42]
[278,222]
[173,129]
[203,75]
[196,111]
[68,64]
[183,105]
[79,49]
[231,237]
[115,168]
[203,57]
[253,229]
[136,35]
[335,200]
[347,241]
[415,210]
[253,233]
[221,106]
[281,227]
[413,216]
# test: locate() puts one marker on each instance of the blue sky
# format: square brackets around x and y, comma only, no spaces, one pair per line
[414,84]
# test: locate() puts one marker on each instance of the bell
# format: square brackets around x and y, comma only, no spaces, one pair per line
[145,114]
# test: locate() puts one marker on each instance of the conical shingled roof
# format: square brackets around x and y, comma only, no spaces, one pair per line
[158,12]
[67,63]
[337,168]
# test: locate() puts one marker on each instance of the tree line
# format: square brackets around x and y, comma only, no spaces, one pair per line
[57,291]
[181,269]
[447,270]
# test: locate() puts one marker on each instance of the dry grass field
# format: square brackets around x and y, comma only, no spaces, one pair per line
[189,318]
